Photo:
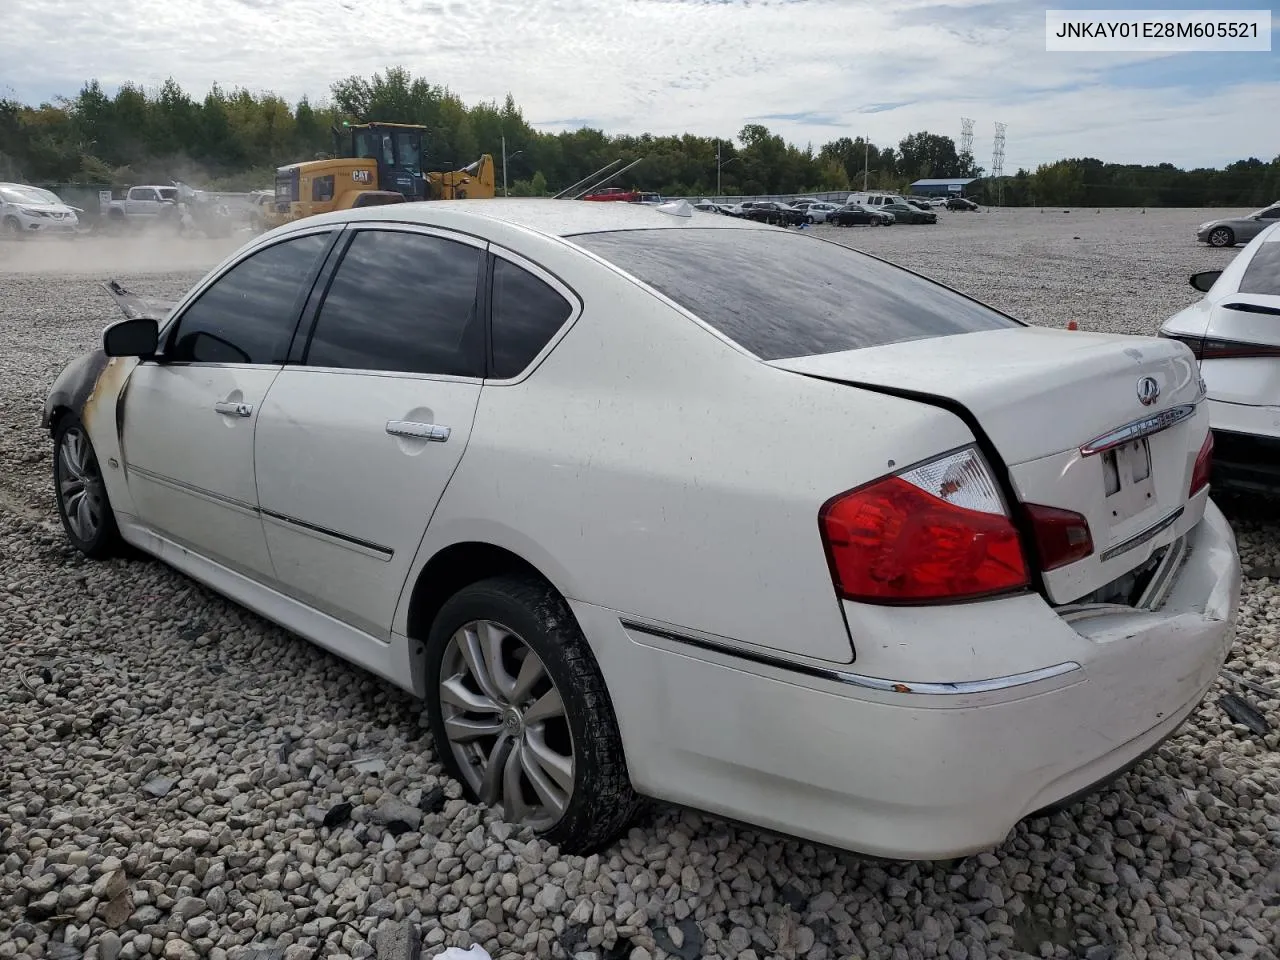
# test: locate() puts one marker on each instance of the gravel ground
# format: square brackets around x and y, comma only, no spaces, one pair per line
[180,779]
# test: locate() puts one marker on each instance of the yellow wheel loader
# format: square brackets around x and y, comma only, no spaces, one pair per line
[377,163]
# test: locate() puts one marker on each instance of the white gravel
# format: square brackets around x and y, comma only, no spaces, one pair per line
[180,779]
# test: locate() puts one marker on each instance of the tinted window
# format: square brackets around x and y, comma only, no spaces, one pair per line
[403,302]
[322,188]
[526,314]
[249,313]
[1263,273]
[1272,214]
[788,295]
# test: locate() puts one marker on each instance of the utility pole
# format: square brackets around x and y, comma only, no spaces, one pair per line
[717,168]
[866,160]
[504,166]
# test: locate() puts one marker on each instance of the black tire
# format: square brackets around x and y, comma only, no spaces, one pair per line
[602,802]
[11,229]
[104,540]
[1222,237]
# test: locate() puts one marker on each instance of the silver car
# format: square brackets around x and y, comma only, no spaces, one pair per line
[1229,231]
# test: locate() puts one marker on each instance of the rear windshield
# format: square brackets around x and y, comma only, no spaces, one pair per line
[781,294]
[1263,273]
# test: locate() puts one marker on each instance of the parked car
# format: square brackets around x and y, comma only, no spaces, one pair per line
[1229,231]
[854,214]
[27,211]
[961,203]
[1234,332]
[495,484]
[773,211]
[920,205]
[906,213]
[819,211]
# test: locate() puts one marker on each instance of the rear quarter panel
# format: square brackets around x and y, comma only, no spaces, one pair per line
[648,467]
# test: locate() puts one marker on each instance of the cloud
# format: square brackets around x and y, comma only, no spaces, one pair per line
[811,70]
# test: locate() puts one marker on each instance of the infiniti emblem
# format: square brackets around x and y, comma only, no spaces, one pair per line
[1148,391]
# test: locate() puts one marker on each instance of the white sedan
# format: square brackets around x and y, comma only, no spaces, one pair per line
[640,511]
[1235,333]
[819,210]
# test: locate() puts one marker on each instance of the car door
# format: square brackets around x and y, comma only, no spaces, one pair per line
[141,202]
[190,414]
[359,437]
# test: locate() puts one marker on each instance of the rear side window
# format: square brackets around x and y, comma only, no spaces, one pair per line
[403,302]
[1263,273]
[526,314]
[248,314]
[781,294]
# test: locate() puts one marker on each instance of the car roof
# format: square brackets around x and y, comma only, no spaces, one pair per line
[554,218]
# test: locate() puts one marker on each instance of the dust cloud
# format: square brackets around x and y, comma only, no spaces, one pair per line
[104,257]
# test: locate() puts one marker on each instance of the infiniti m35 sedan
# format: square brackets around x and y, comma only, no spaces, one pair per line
[639,509]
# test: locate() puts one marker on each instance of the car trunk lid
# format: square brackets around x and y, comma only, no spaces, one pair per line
[1074,418]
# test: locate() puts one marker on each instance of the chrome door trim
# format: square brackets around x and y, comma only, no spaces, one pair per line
[367,547]
[182,487]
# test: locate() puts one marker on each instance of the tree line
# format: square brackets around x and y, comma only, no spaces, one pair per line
[234,140]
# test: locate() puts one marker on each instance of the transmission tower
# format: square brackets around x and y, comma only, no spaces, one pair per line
[966,136]
[997,162]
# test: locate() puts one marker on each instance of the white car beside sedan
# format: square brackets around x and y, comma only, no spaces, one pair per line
[639,510]
[27,211]
[1234,332]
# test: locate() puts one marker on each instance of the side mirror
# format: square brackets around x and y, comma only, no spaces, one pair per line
[1205,279]
[134,337]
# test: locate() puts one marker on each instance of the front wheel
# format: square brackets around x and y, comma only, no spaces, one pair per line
[11,229]
[1222,237]
[83,505]
[520,714]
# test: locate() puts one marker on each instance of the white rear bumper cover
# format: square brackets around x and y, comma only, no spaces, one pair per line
[820,755]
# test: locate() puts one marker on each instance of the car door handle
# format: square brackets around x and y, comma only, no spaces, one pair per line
[230,409]
[418,430]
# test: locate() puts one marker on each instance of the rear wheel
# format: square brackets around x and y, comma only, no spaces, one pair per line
[1222,237]
[520,714]
[83,505]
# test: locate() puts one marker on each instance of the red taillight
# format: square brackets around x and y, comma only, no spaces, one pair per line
[1203,467]
[936,532]
[1062,536]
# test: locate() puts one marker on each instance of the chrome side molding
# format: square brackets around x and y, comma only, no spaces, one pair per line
[926,687]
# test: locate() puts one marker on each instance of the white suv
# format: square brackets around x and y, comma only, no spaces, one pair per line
[27,211]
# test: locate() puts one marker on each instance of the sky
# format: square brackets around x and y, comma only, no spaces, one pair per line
[811,70]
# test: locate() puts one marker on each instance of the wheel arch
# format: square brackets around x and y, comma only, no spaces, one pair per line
[453,567]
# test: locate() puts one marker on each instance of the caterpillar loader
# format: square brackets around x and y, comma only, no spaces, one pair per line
[376,163]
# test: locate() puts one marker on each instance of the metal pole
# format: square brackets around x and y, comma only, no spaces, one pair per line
[504,166]
[718,194]
[866,155]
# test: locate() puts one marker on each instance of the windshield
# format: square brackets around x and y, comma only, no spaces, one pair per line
[28,195]
[409,146]
[780,294]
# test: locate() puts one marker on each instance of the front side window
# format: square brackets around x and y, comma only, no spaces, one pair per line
[1262,276]
[322,188]
[758,288]
[526,314]
[248,314]
[145,193]
[403,302]
[1273,213]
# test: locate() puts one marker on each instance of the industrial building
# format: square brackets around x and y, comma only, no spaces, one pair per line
[942,188]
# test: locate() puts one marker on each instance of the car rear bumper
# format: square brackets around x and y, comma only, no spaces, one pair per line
[919,770]
[1246,441]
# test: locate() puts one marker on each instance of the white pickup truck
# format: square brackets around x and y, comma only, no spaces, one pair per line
[143,205]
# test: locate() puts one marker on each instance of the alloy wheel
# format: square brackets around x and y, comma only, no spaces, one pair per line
[506,724]
[80,484]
